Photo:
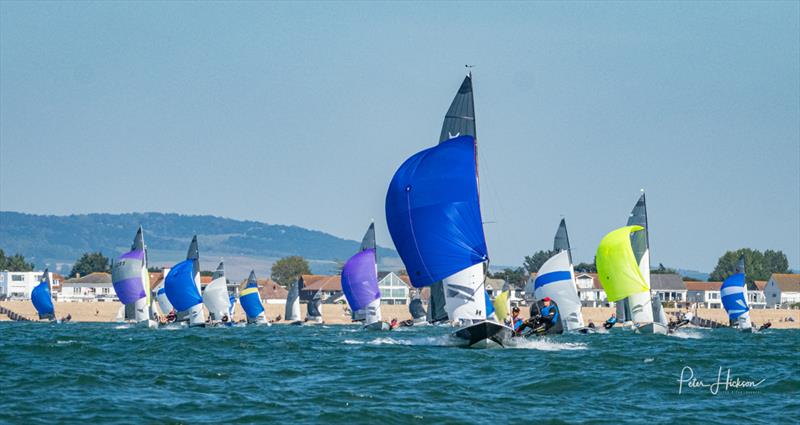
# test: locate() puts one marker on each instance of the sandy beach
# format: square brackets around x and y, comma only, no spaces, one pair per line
[336,314]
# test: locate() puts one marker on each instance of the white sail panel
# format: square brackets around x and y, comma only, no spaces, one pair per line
[216,298]
[373,312]
[556,279]
[465,296]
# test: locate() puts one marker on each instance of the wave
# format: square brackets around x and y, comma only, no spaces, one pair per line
[545,344]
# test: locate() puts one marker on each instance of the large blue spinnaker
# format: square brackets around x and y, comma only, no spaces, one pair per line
[734,296]
[42,298]
[433,212]
[181,288]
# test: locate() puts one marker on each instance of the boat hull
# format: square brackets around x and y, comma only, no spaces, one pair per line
[485,334]
[377,326]
[652,328]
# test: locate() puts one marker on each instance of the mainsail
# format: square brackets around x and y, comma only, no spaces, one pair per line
[556,279]
[734,297]
[460,117]
[250,299]
[367,242]
[215,295]
[42,298]
[617,267]
[436,311]
[416,309]
[132,280]
[638,307]
[292,313]
[313,308]
[360,285]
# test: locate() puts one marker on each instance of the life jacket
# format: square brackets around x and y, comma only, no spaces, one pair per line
[546,312]
[612,320]
[516,323]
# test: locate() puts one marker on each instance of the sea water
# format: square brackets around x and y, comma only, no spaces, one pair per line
[107,373]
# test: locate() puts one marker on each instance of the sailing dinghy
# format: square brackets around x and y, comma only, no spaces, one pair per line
[131,282]
[360,283]
[42,299]
[621,275]
[250,299]
[314,309]
[292,313]
[734,298]
[434,218]
[556,279]
[182,288]
[216,298]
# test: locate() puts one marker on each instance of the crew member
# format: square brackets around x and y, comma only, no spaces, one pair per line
[611,321]
[516,321]
[549,314]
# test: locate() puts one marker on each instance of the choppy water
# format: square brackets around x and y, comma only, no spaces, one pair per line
[100,373]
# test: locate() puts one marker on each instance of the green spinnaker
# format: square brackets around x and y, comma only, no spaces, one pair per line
[617,267]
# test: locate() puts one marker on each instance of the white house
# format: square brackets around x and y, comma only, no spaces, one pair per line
[590,291]
[92,287]
[703,294]
[394,289]
[669,287]
[18,285]
[782,290]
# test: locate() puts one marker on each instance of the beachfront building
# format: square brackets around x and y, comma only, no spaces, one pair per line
[92,287]
[782,290]
[18,285]
[590,290]
[270,292]
[329,287]
[669,287]
[703,294]
[394,289]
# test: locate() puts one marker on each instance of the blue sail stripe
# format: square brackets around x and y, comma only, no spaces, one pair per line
[550,278]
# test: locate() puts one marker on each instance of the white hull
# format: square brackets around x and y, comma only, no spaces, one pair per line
[377,326]
[652,328]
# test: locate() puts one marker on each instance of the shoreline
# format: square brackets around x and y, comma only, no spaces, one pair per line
[336,314]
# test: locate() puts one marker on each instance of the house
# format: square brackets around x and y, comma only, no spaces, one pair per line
[756,298]
[329,287]
[268,290]
[18,285]
[92,287]
[703,294]
[590,290]
[669,287]
[782,290]
[394,289]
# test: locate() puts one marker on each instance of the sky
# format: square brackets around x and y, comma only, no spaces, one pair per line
[300,113]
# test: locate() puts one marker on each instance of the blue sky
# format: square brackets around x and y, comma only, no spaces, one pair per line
[299,113]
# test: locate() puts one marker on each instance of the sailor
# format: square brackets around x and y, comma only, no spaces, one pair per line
[171,317]
[549,313]
[611,321]
[393,324]
[516,321]
[765,326]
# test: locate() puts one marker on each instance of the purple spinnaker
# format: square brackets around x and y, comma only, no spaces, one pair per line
[127,277]
[360,280]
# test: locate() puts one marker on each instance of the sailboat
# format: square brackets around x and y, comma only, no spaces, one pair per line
[367,242]
[132,282]
[434,218]
[292,313]
[734,298]
[360,283]
[42,299]
[620,274]
[556,279]
[182,288]
[250,299]
[215,296]
[314,309]
[417,311]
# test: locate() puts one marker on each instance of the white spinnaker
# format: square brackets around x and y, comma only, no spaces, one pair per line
[641,304]
[143,304]
[373,312]
[163,302]
[564,292]
[216,298]
[465,295]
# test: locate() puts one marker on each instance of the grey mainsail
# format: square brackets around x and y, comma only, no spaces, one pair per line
[313,307]
[460,117]
[292,313]
[436,310]
[561,241]
[368,242]
[639,240]
[416,309]
[194,254]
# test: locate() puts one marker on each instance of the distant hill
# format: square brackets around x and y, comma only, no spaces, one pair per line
[47,239]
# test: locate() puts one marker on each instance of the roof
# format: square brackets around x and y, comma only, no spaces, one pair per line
[760,284]
[269,289]
[205,280]
[495,284]
[703,286]
[669,281]
[316,282]
[595,279]
[787,282]
[96,277]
